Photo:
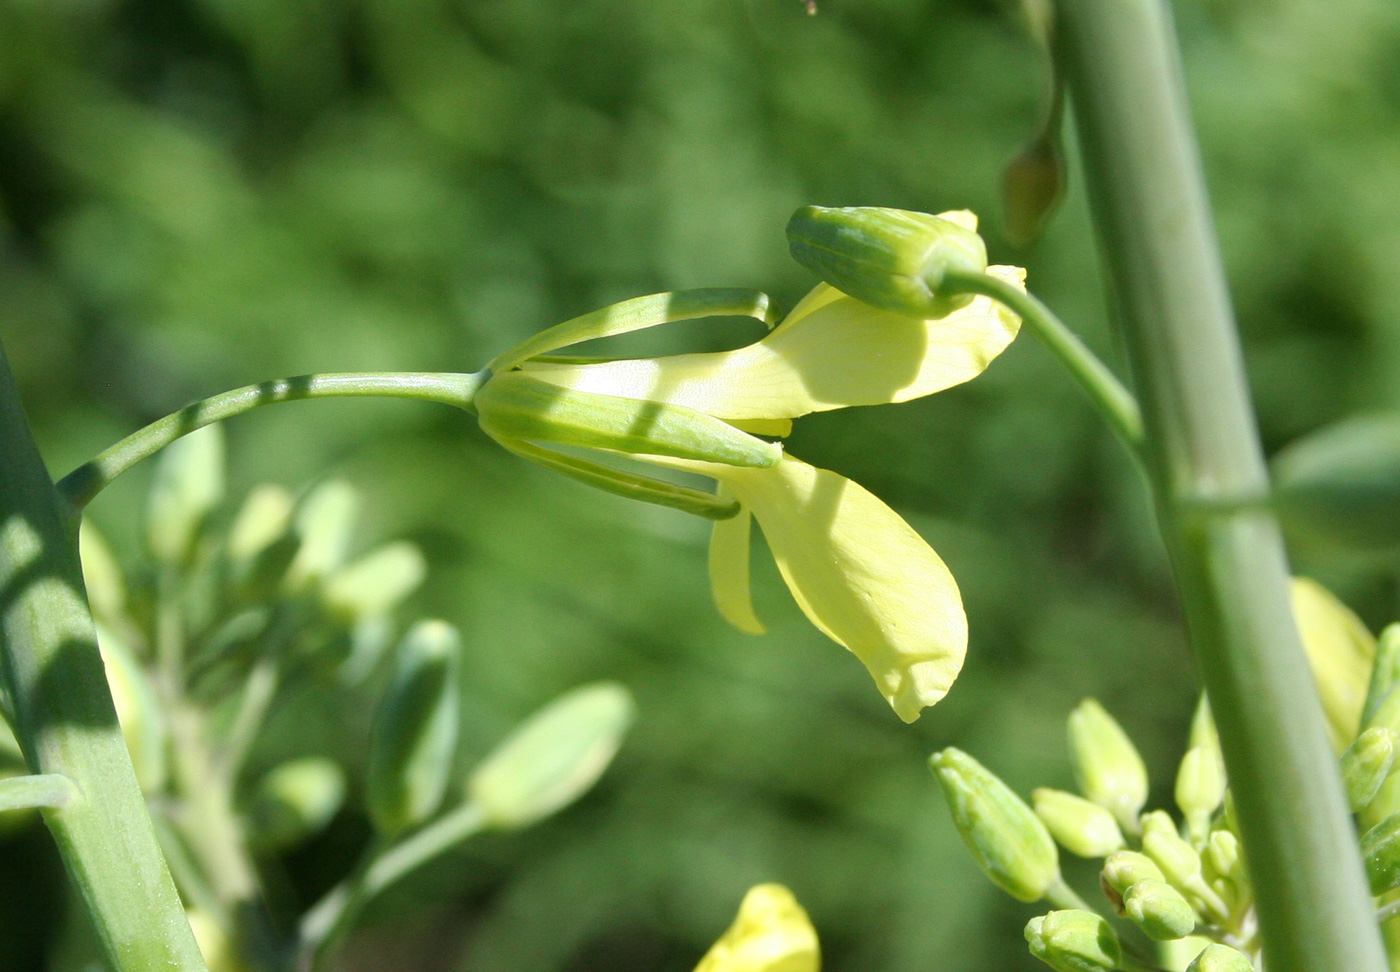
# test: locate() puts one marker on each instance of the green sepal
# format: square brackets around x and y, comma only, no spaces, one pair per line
[630,485]
[517,406]
[1366,764]
[1159,910]
[1074,941]
[639,313]
[415,730]
[1385,672]
[1009,841]
[889,258]
[1380,846]
[1080,826]
[1220,958]
[1106,764]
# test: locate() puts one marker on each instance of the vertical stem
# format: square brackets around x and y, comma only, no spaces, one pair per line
[64,718]
[1148,198]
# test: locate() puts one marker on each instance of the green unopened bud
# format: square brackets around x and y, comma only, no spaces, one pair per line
[296,800]
[552,758]
[889,258]
[1180,864]
[1220,958]
[1340,651]
[1380,846]
[1222,866]
[138,711]
[515,406]
[1081,827]
[1106,763]
[1159,910]
[1005,836]
[1125,868]
[1203,731]
[188,484]
[102,576]
[375,584]
[261,544]
[415,730]
[1385,672]
[1200,787]
[1074,941]
[324,522]
[1366,764]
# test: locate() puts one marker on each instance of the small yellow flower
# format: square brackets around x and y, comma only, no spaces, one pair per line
[771,934]
[858,571]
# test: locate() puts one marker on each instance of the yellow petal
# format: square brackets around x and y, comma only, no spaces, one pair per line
[859,573]
[771,934]
[729,569]
[1340,650]
[832,351]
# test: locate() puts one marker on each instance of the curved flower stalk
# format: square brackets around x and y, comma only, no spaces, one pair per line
[858,571]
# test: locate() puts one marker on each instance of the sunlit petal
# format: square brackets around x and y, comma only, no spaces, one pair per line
[729,569]
[1340,651]
[859,573]
[832,351]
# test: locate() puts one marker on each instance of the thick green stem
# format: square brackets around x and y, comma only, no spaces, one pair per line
[83,483]
[1108,394]
[1148,199]
[65,721]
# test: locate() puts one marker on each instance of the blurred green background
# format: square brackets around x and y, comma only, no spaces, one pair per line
[196,194]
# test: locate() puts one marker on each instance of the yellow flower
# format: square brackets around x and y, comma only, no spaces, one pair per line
[770,934]
[857,570]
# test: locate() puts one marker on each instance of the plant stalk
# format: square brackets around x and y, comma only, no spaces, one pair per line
[63,715]
[1147,194]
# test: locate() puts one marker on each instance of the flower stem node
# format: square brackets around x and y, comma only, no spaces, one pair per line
[889,258]
[1106,763]
[1074,941]
[1220,958]
[770,934]
[1008,840]
[1366,764]
[553,757]
[415,730]
[1159,910]
[1080,826]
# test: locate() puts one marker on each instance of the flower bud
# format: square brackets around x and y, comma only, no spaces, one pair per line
[296,800]
[375,584]
[1220,958]
[1385,672]
[415,730]
[553,757]
[1366,764]
[102,576]
[1340,651]
[1106,763]
[1159,910]
[1081,827]
[1074,941]
[1008,840]
[1180,864]
[1200,787]
[188,484]
[770,934]
[516,406]
[1125,868]
[324,521]
[1380,846]
[139,712]
[1222,866]
[889,258]
[261,545]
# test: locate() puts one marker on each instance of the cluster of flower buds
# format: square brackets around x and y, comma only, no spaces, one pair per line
[1182,885]
[230,614]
